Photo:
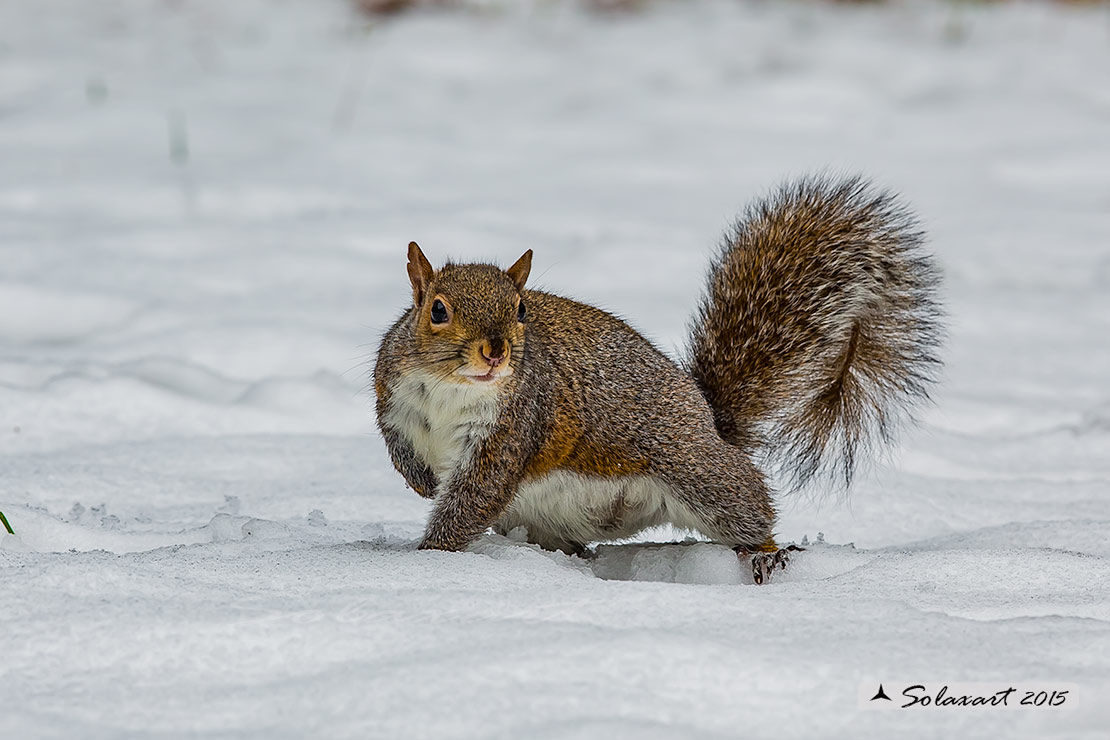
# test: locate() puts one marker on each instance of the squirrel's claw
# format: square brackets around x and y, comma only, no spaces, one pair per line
[763,564]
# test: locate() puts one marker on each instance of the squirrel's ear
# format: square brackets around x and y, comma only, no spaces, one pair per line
[420,272]
[518,273]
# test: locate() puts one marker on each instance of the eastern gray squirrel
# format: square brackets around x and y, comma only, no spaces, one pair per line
[817,334]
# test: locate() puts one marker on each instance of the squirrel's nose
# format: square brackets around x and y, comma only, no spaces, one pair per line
[493,350]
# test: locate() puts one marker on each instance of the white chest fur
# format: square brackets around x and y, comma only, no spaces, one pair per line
[442,420]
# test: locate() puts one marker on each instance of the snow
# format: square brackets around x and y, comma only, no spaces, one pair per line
[204,208]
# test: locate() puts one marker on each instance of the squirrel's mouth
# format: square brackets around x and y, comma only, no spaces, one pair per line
[491,374]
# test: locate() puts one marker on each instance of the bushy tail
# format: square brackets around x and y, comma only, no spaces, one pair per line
[820,327]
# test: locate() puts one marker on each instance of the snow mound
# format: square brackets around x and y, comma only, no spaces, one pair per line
[707,563]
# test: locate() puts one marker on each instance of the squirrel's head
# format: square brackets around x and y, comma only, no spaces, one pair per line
[469,318]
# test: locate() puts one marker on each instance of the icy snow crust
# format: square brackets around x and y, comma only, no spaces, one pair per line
[203,214]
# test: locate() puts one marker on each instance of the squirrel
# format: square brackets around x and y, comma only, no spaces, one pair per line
[817,335]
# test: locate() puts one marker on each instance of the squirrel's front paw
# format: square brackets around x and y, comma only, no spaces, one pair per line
[763,564]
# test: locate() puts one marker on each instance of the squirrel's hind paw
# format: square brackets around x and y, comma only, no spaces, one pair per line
[763,564]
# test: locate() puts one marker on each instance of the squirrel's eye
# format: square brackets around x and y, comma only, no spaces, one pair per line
[520,312]
[439,313]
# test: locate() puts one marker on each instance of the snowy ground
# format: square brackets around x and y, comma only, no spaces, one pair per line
[204,207]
